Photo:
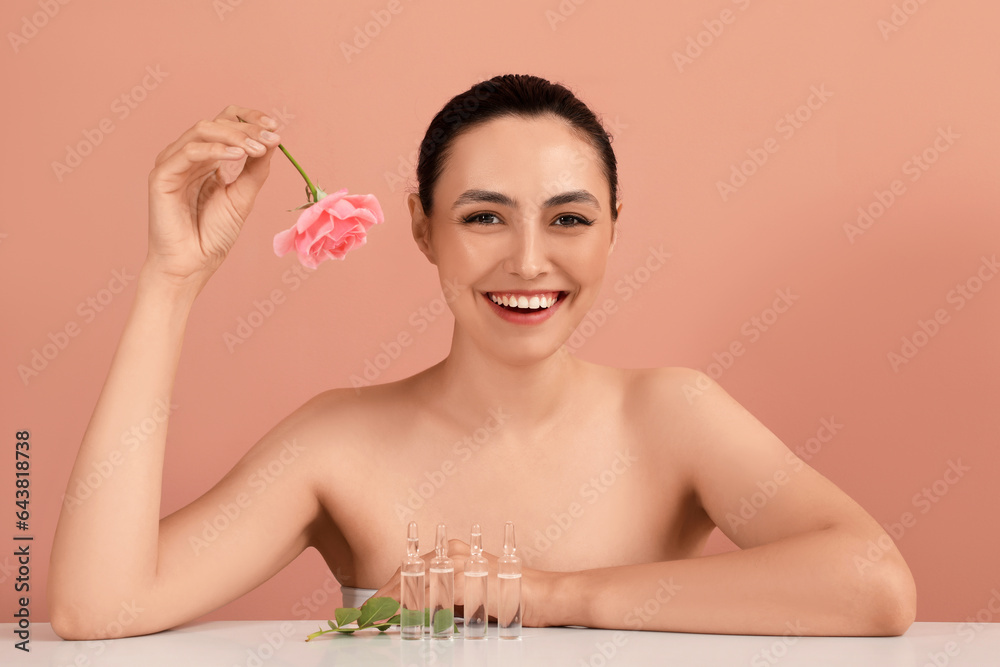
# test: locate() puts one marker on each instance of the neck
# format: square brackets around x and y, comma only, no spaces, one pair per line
[471,382]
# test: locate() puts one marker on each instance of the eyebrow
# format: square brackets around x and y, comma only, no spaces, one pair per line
[491,197]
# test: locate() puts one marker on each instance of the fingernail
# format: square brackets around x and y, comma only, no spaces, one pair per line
[254,145]
[267,121]
[268,136]
[235,150]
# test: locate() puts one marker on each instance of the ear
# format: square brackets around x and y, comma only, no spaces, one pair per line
[614,229]
[420,226]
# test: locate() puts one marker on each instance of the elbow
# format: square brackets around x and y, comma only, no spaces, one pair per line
[893,606]
[72,622]
[66,623]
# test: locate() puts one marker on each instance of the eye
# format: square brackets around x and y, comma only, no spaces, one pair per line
[572,221]
[485,219]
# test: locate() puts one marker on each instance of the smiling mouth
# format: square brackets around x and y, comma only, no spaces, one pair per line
[522,303]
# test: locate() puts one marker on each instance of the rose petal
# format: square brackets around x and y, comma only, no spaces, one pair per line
[284,242]
[330,228]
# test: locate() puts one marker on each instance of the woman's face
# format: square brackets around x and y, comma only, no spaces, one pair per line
[521,215]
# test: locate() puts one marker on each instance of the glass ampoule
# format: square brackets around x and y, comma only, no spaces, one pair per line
[442,589]
[411,595]
[476,570]
[509,574]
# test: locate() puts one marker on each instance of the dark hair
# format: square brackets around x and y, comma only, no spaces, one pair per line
[509,95]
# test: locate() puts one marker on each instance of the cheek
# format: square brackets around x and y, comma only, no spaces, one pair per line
[469,253]
[588,262]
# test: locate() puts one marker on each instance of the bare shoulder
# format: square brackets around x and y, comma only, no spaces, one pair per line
[671,394]
[344,427]
[679,410]
[686,397]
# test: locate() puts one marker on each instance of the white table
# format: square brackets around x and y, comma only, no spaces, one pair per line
[281,644]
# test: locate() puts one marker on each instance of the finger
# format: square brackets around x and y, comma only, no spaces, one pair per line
[390,589]
[457,547]
[234,113]
[194,161]
[253,139]
[243,191]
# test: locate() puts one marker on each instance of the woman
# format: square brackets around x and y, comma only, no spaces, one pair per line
[613,477]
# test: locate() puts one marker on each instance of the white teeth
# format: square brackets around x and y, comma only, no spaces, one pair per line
[533,302]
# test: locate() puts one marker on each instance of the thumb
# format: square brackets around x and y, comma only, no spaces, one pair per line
[243,191]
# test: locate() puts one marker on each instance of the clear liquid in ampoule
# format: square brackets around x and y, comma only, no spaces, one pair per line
[476,570]
[411,613]
[509,575]
[442,574]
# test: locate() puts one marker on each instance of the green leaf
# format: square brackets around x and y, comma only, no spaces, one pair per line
[332,625]
[443,619]
[345,615]
[383,627]
[376,609]
[411,617]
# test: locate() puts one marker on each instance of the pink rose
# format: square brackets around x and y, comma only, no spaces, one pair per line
[330,228]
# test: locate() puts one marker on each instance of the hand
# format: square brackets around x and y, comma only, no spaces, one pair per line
[534,583]
[200,194]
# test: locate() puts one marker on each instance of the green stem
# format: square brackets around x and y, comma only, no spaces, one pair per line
[312,188]
[316,192]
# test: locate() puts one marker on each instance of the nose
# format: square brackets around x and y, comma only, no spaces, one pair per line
[528,255]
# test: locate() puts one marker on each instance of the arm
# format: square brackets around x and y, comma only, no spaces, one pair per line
[803,567]
[117,569]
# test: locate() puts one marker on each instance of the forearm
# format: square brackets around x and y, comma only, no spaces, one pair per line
[808,584]
[105,544]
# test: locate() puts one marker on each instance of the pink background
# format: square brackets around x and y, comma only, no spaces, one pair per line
[678,131]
